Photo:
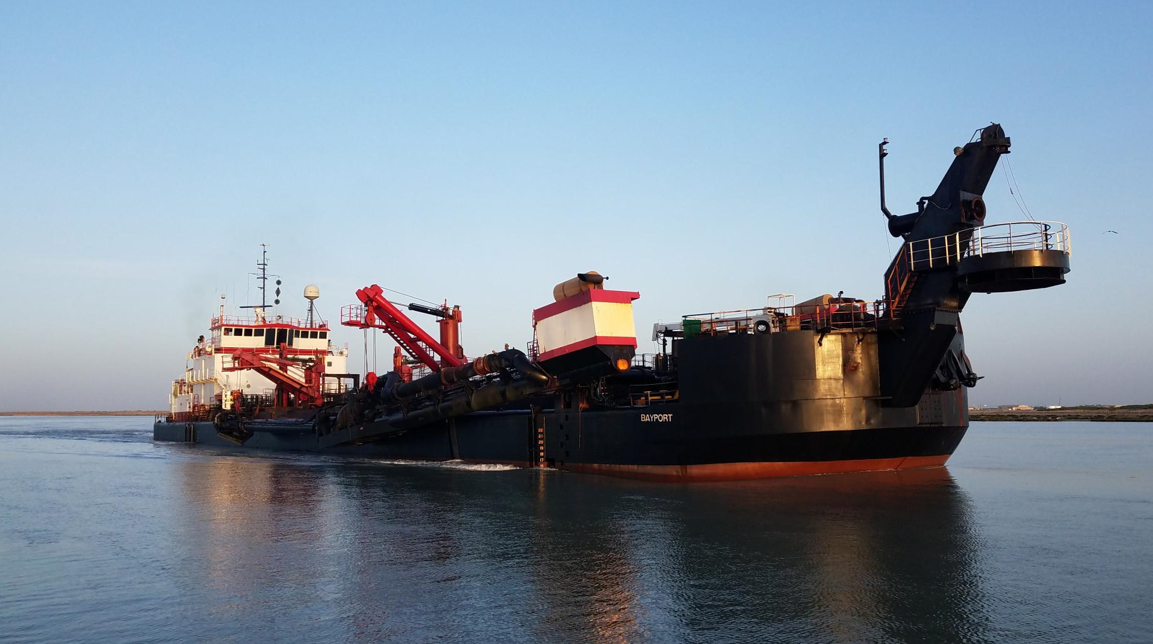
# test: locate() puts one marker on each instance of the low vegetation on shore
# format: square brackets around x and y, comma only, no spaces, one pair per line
[133,412]
[1120,413]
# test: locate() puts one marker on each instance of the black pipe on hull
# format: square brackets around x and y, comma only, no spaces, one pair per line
[486,397]
[532,380]
[483,398]
[448,376]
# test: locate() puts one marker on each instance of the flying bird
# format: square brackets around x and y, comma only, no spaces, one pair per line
[1111,231]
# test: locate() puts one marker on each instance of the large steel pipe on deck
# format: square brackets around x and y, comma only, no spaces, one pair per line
[532,379]
[486,397]
[484,365]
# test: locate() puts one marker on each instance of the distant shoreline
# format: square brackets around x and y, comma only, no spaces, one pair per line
[1050,415]
[134,412]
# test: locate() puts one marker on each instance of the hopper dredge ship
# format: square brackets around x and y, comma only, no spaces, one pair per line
[831,384]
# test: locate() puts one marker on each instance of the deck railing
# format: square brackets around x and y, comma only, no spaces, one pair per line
[240,320]
[946,250]
[197,413]
[833,315]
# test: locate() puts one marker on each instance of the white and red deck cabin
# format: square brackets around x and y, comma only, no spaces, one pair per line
[588,325]
[209,380]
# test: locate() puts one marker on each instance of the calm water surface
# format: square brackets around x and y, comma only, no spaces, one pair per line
[1036,532]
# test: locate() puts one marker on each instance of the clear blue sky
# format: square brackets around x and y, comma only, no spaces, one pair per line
[705,154]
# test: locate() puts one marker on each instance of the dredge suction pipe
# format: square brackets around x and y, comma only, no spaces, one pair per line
[532,379]
[484,365]
[485,397]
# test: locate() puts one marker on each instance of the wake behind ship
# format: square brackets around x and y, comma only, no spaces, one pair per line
[831,384]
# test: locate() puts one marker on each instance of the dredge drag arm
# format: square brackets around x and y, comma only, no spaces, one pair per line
[307,392]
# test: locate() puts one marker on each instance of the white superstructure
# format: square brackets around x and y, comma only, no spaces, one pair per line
[218,369]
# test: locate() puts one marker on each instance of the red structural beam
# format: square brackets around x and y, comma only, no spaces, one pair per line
[307,392]
[380,313]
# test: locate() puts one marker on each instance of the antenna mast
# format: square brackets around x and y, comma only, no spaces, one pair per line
[262,277]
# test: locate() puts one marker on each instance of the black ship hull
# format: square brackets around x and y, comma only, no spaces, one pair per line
[745,406]
[650,443]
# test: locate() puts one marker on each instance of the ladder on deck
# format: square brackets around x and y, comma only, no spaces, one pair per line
[899,282]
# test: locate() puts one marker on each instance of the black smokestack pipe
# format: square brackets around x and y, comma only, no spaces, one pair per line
[899,225]
[881,154]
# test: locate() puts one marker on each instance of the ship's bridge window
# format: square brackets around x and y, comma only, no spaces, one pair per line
[248,333]
[227,330]
[270,337]
[323,334]
[314,335]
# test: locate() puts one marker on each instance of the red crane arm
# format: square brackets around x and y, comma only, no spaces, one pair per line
[381,313]
[307,392]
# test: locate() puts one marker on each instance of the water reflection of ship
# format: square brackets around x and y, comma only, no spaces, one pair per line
[233,505]
[866,557]
[849,558]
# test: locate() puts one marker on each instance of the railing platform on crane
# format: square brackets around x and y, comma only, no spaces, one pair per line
[1012,256]
[375,311]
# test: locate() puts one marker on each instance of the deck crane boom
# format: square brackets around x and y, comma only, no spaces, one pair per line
[375,311]
[307,392]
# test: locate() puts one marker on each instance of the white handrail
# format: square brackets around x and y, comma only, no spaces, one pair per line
[994,238]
